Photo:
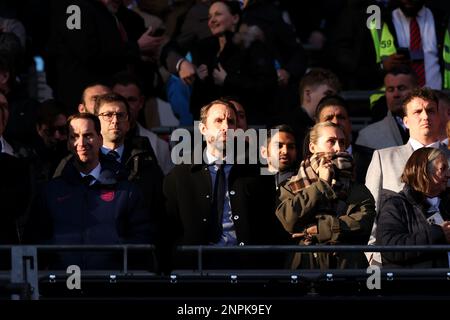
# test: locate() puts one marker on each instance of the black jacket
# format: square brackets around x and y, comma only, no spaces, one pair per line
[110,211]
[402,221]
[251,76]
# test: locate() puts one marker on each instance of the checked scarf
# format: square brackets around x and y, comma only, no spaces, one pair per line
[308,172]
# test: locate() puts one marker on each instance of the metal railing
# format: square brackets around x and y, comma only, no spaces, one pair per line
[24,279]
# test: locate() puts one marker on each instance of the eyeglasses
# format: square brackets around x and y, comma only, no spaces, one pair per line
[108,116]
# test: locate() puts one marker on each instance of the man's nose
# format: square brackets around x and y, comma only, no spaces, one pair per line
[57,135]
[114,118]
[424,114]
[81,141]
[225,125]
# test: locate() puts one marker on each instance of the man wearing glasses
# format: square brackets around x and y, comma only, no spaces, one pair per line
[132,152]
[129,87]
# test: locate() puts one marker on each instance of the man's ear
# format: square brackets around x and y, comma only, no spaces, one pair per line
[81,108]
[4,77]
[141,102]
[405,121]
[39,130]
[202,127]
[307,95]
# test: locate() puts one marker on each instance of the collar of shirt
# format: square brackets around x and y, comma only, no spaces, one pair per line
[417,145]
[94,172]
[434,203]
[6,147]
[212,159]
[445,141]
[350,150]
[119,150]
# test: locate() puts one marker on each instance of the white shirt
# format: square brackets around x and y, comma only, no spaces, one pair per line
[431,53]
[434,204]
[6,147]
[350,150]
[417,145]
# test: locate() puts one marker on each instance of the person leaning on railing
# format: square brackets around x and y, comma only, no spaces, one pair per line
[419,214]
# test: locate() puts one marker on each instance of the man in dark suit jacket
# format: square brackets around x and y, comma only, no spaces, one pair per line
[15,184]
[245,217]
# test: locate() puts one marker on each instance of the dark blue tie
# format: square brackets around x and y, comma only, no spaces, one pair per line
[87,180]
[217,206]
[113,155]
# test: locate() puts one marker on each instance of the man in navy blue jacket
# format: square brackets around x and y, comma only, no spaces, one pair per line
[91,202]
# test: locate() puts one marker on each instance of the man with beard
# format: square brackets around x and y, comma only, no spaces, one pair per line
[281,153]
[217,202]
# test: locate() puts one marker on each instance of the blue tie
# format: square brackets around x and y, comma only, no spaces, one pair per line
[113,155]
[87,180]
[217,206]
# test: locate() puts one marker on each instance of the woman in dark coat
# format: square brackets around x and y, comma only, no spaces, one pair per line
[419,214]
[234,63]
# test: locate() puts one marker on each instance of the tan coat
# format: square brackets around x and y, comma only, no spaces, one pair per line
[351,226]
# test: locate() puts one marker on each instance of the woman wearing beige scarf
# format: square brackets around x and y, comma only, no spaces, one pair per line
[323,205]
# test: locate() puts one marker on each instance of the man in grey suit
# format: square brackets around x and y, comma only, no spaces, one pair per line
[386,167]
[391,131]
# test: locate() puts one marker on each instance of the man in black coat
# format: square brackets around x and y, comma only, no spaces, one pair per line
[197,214]
[15,183]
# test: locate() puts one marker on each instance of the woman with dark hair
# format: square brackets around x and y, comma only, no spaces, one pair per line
[419,214]
[324,205]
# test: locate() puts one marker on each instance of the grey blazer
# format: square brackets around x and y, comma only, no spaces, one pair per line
[386,168]
[382,134]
